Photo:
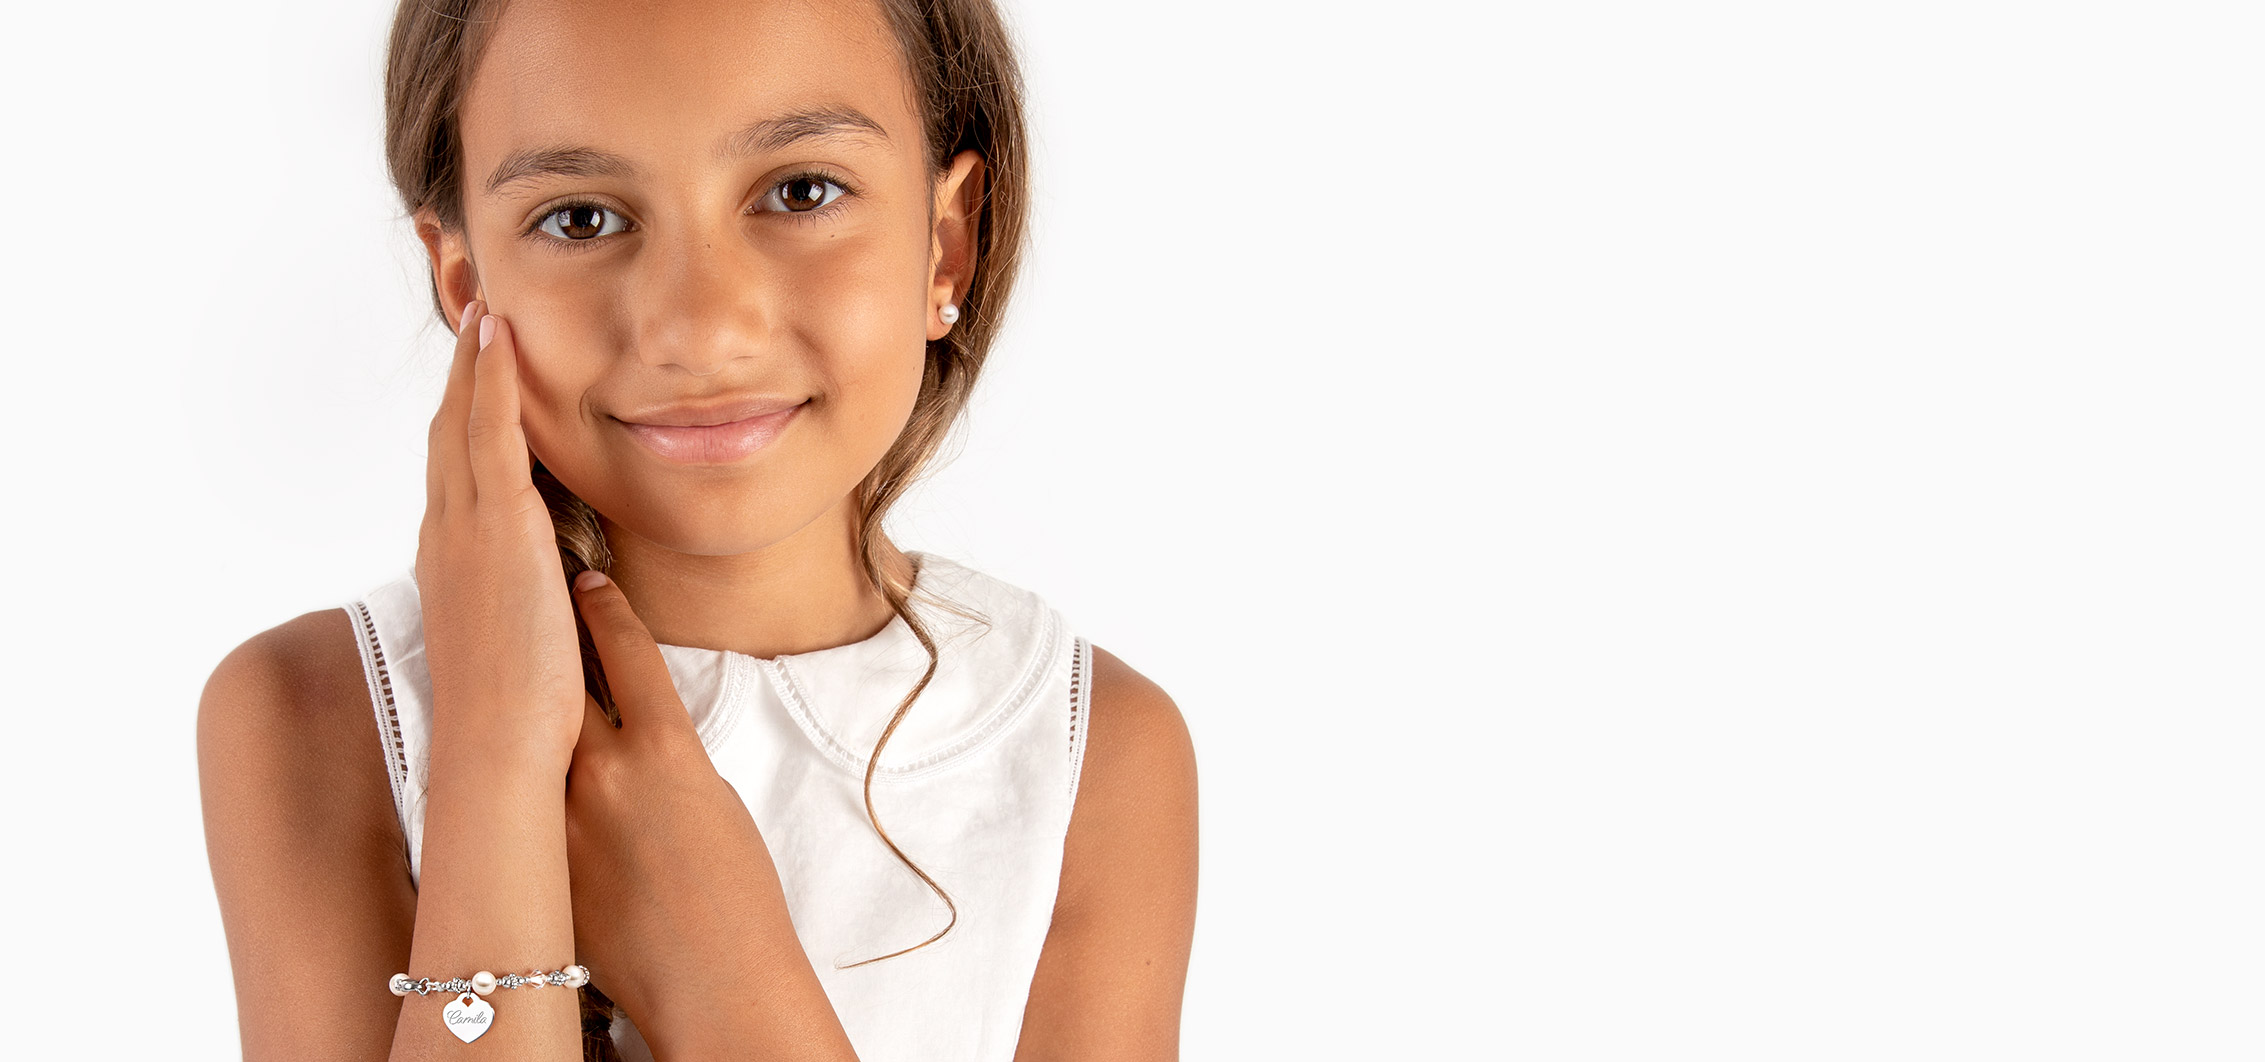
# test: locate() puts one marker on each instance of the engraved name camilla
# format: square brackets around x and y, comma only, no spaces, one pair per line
[467,1018]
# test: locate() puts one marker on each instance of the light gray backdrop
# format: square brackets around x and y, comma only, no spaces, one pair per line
[1720,530]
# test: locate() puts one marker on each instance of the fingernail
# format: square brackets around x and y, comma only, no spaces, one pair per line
[589,579]
[464,320]
[487,329]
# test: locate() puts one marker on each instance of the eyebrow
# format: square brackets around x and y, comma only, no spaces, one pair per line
[759,137]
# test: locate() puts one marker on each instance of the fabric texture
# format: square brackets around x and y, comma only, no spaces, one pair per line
[976,786]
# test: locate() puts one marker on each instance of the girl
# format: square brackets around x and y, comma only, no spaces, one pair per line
[745,779]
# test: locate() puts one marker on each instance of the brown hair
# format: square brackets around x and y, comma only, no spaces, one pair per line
[968,85]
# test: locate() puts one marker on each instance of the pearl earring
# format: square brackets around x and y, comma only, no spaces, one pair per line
[950,313]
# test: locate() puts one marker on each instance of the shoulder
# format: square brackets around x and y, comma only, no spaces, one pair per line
[1137,742]
[291,707]
[1138,785]
[1136,796]
[296,668]
[291,693]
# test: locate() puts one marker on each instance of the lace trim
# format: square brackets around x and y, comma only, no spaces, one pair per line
[1020,696]
[381,702]
[1081,683]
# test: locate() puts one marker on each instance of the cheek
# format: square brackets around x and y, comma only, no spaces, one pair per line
[554,375]
[864,321]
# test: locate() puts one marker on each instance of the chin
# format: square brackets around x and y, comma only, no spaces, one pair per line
[716,521]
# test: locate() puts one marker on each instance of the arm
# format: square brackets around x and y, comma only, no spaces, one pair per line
[709,965]
[661,831]
[1110,974]
[492,895]
[1114,968]
[313,880]
[306,853]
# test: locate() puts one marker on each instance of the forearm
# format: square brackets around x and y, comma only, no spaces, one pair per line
[772,1005]
[798,1021]
[492,895]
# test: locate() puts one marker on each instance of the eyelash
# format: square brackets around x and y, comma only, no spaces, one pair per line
[805,217]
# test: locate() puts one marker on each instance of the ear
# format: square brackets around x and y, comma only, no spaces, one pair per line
[951,257]
[456,279]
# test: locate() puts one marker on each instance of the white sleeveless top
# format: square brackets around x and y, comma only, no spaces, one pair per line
[976,786]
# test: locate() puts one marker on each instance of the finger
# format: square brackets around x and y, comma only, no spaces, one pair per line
[492,431]
[448,473]
[644,692]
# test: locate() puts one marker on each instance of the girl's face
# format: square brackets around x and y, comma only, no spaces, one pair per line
[705,200]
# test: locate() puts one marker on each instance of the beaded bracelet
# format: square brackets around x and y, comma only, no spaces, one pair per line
[468,1015]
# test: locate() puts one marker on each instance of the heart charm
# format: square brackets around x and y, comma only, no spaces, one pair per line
[467,1016]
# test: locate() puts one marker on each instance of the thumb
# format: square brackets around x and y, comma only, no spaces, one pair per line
[644,692]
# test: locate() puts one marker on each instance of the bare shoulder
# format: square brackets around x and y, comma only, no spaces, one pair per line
[1139,755]
[1114,967]
[307,855]
[1136,799]
[293,698]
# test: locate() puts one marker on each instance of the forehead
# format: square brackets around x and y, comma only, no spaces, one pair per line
[669,78]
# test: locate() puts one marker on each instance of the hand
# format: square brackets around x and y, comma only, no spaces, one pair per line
[672,885]
[505,658]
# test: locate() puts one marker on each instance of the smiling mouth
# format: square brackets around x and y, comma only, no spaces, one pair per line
[712,444]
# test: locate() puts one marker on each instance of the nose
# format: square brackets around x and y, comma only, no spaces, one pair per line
[700,302]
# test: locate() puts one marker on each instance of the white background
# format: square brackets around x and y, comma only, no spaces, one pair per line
[1679,530]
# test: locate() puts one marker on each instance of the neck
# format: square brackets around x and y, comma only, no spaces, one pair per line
[803,593]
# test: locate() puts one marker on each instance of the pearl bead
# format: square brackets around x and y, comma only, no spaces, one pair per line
[398,984]
[483,982]
[577,976]
[950,313]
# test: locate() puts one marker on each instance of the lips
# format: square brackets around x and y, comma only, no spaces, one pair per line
[710,412]
[710,443]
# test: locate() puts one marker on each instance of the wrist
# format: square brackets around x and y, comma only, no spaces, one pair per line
[502,754]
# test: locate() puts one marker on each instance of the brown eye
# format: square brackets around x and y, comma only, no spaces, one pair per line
[803,193]
[578,222]
[583,225]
